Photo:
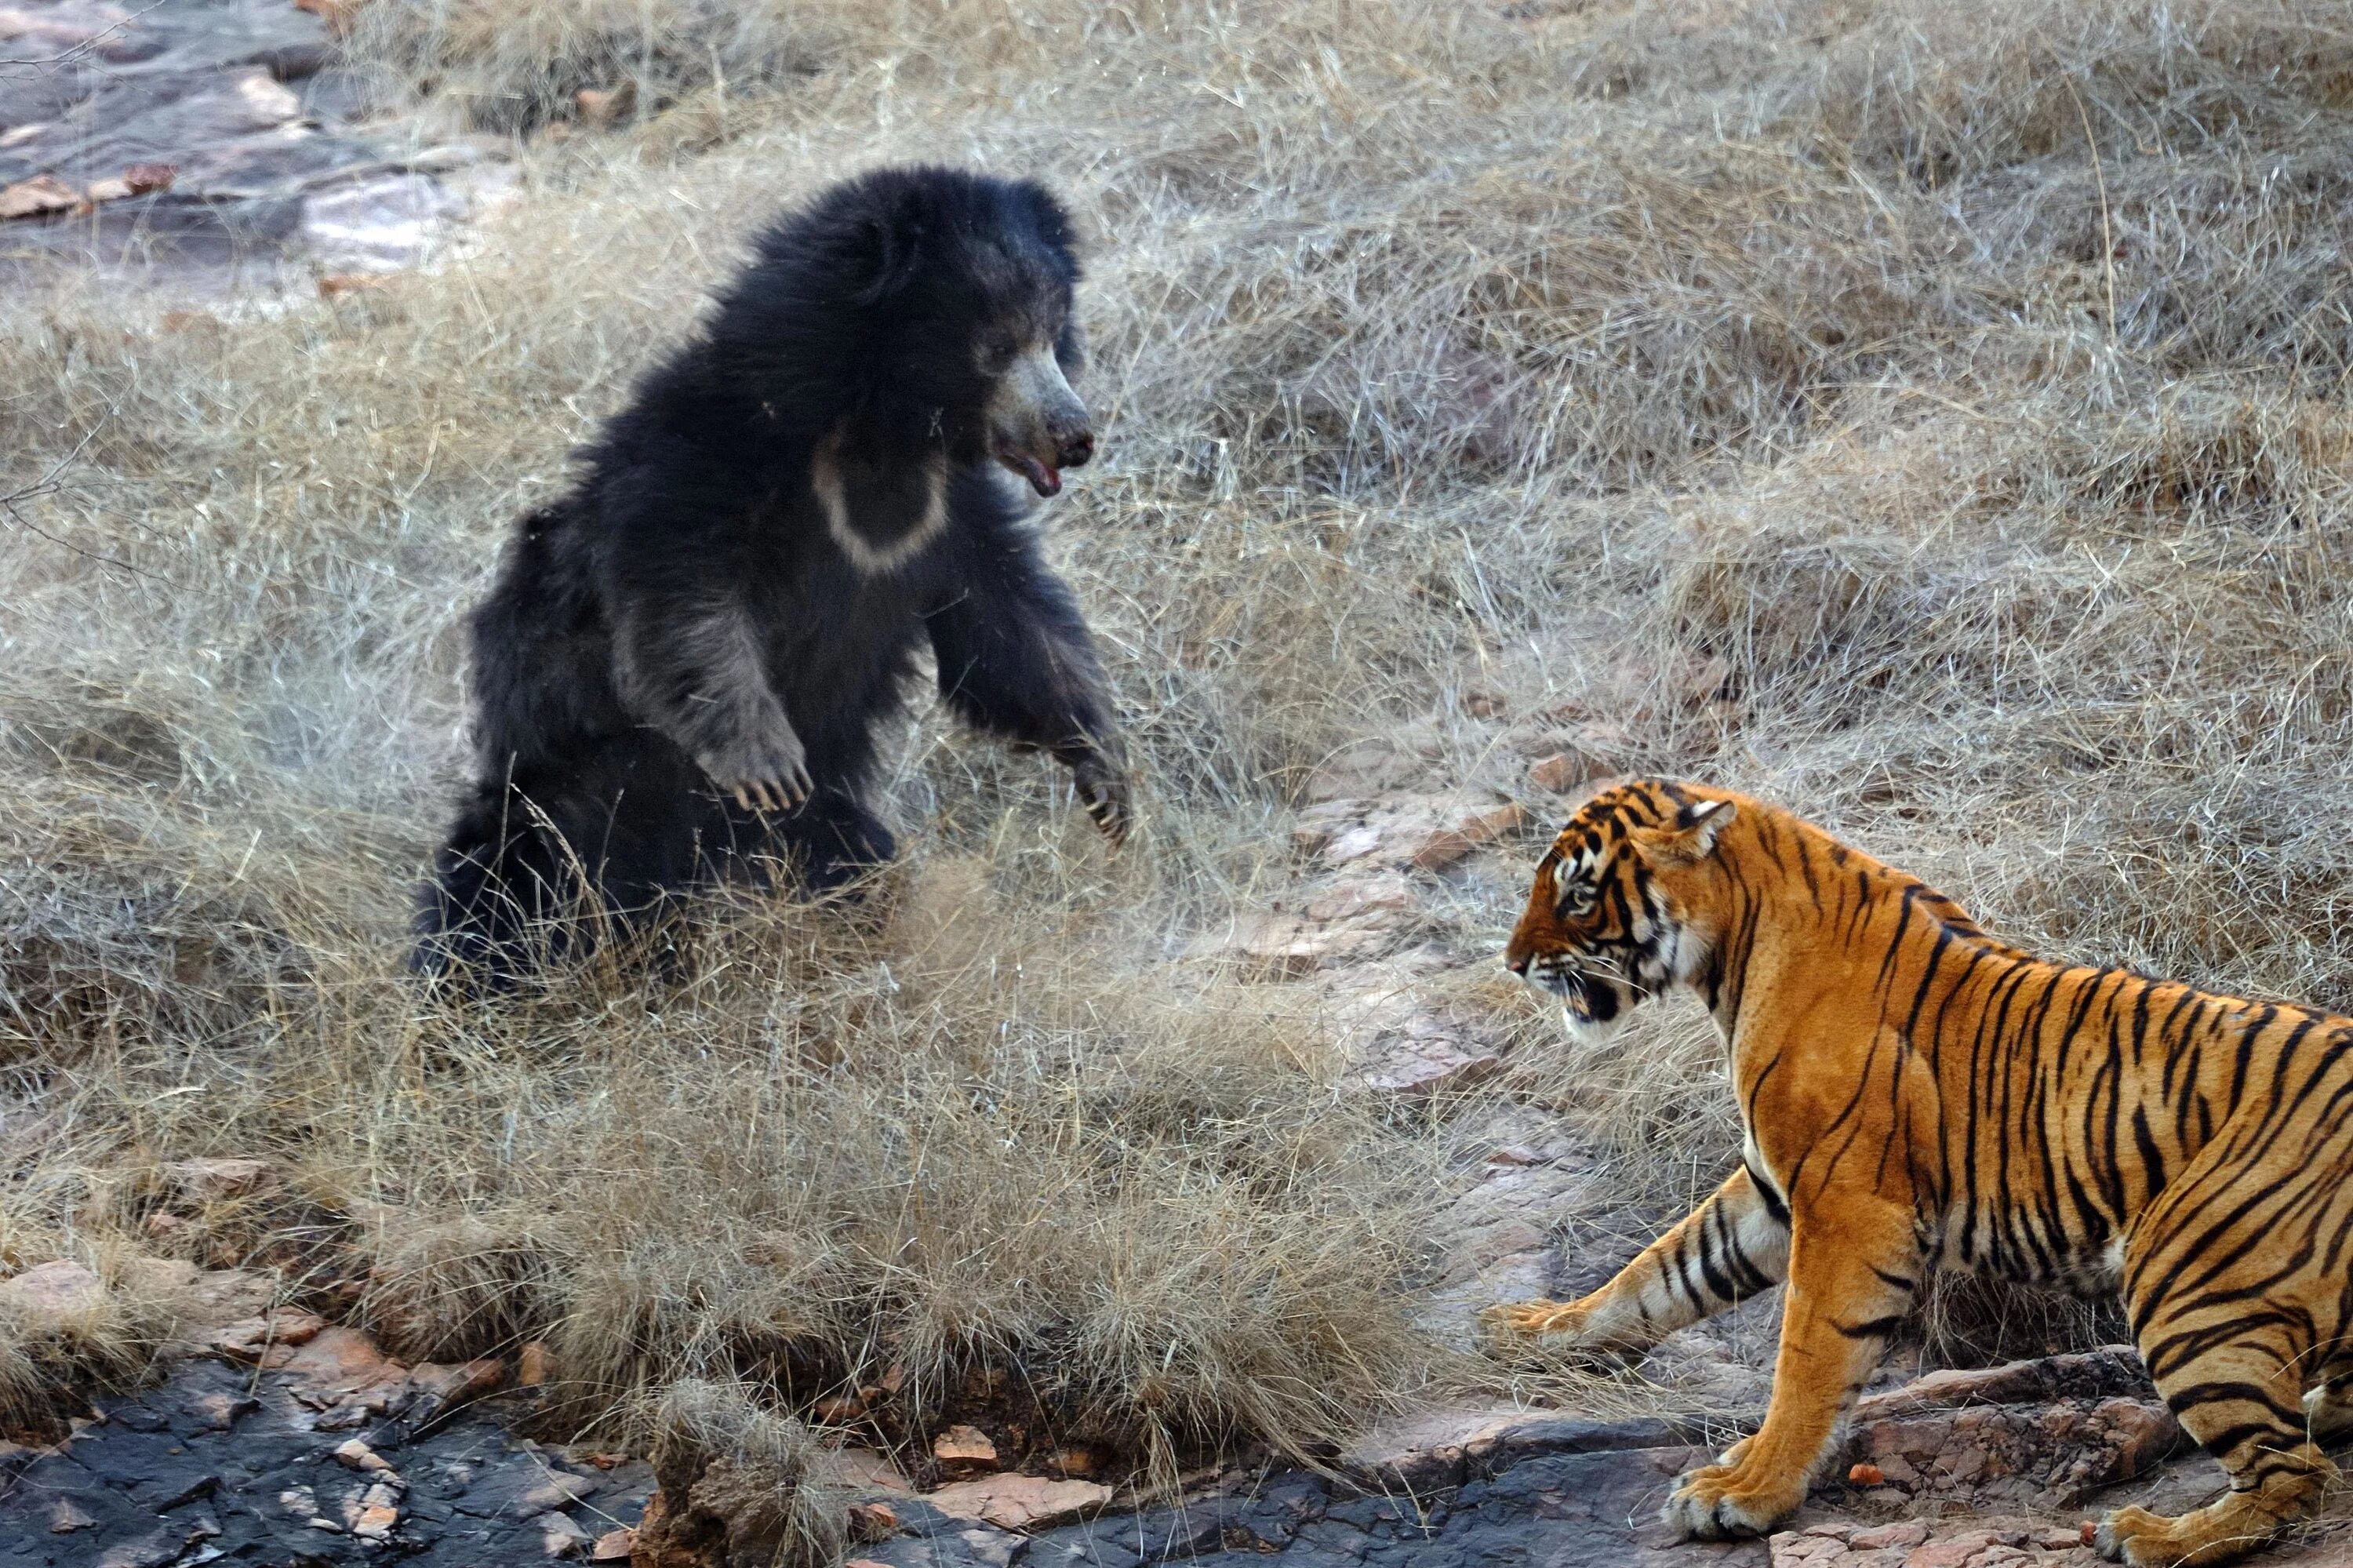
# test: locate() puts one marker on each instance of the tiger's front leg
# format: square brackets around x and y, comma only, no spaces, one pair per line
[1855,1269]
[1734,1246]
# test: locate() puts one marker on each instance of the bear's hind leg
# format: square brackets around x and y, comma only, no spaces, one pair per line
[533,875]
[829,842]
[484,918]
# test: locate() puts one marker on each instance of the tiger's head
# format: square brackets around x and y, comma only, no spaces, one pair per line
[1615,913]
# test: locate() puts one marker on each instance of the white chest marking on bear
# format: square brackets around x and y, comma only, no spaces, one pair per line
[874,560]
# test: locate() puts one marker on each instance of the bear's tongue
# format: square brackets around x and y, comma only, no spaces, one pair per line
[1043,480]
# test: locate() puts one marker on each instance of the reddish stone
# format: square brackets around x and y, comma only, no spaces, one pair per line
[533,1365]
[1559,773]
[872,1521]
[1906,1532]
[50,1292]
[965,1448]
[1019,1502]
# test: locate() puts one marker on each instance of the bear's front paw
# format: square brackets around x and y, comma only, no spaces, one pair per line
[1102,789]
[1718,1502]
[766,767]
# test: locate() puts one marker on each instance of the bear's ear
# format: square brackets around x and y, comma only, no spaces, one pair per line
[890,247]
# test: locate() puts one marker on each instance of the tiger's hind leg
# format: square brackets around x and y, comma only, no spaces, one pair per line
[2226,1304]
[2236,1403]
[1734,1246]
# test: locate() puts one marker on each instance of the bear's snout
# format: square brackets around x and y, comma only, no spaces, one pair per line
[1036,426]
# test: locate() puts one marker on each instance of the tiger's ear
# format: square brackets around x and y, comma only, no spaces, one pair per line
[1689,839]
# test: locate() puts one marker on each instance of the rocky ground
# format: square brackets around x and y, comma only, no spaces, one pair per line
[281,1439]
[222,142]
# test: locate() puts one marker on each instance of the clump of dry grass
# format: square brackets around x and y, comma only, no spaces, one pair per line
[2001,493]
[737,1477]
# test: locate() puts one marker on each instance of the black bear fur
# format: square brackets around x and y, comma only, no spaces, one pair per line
[681,670]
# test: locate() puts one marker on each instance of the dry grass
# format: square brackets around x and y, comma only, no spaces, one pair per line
[2009,485]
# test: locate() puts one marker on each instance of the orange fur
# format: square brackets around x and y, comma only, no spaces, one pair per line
[1915,1096]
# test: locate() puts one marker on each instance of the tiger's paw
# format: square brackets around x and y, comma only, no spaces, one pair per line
[1717,1503]
[1513,1320]
[2230,1527]
[2118,1533]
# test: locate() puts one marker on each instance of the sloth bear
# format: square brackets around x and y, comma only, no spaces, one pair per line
[684,662]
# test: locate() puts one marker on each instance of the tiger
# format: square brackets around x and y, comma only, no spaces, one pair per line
[1915,1096]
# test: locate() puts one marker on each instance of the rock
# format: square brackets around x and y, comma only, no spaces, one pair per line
[436,1387]
[1910,1532]
[1019,1502]
[40,196]
[532,1364]
[342,1371]
[66,1516]
[872,1521]
[614,1546]
[157,1276]
[601,107]
[1395,1041]
[1486,827]
[2048,1455]
[559,1537]
[1424,831]
[555,1490]
[1074,1462]
[862,1470]
[219,1411]
[965,1449]
[219,1296]
[357,1455]
[271,1335]
[273,1491]
[1427,1448]
[383,223]
[1430,1055]
[1559,773]
[728,1511]
[51,1294]
[1442,849]
[210,1180]
[1278,947]
[376,1511]
[2088,1374]
[1386,897]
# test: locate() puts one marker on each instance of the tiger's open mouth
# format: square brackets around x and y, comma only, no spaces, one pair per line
[1587,1002]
